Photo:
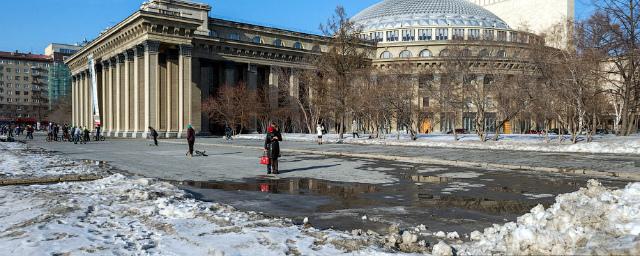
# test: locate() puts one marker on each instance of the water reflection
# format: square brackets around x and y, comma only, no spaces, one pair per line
[290,186]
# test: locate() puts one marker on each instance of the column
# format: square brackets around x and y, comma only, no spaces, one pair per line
[138,92]
[273,86]
[103,94]
[168,99]
[73,100]
[294,84]
[151,95]
[89,101]
[128,77]
[118,95]
[81,121]
[109,110]
[184,89]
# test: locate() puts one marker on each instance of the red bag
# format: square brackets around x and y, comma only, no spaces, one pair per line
[264,160]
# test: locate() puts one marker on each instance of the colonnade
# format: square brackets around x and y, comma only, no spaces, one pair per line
[148,85]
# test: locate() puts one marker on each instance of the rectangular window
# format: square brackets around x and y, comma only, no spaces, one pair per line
[26,78]
[474,34]
[17,92]
[392,36]
[425,102]
[488,34]
[378,37]
[17,78]
[513,36]
[9,100]
[458,34]
[502,36]
[425,34]
[408,35]
[442,34]
[26,93]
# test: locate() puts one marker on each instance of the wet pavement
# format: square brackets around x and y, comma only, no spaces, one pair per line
[441,198]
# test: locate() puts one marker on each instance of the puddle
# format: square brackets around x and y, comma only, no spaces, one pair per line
[440,197]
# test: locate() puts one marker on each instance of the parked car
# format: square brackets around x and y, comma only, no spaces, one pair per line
[534,132]
[458,131]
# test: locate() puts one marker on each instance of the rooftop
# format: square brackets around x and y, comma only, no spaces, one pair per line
[391,14]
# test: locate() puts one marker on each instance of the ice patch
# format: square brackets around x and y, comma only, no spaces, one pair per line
[460,175]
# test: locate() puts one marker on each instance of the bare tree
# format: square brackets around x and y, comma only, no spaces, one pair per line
[347,56]
[233,106]
[619,24]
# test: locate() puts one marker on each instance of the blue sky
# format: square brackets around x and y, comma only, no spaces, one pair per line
[33,24]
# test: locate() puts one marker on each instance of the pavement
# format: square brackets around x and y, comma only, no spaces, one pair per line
[238,160]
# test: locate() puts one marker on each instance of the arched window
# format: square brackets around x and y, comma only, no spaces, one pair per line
[501,54]
[213,33]
[257,39]
[405,54]
[297,45]
[233,36]
[425,53]
[316,48]
[444,53]
[278,43]
[483,53]
[386,55]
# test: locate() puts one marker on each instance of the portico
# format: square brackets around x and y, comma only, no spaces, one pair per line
[155,68]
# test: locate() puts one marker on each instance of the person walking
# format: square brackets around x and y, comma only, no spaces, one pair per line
[76,135]
[191,139]
[354,129]
[272,148]
[87,135]
[154,135]
[97,133]
[319,132]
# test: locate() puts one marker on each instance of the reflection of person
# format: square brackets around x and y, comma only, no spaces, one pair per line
[272,147]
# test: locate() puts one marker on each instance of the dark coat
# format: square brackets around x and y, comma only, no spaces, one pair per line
[191,135]
[272,144]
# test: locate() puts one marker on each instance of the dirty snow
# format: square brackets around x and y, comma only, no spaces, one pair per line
[517,142]
[593,220]
[19,161]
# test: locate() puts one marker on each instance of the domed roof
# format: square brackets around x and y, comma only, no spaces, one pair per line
[390,14]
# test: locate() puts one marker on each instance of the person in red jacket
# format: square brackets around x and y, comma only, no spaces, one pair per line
[191,139]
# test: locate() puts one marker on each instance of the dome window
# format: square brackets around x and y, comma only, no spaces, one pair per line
[405,54]
[386,55]
[257,39]
[297,45]
[501,54]
[444,53]
[426,53]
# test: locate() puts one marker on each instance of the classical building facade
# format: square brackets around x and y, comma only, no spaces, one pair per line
[23,87]
[155,68]
[418,36]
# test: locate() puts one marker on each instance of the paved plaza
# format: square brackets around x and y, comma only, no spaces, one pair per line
[237,160]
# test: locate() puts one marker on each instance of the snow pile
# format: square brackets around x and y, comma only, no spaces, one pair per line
[518,142]
[18,161]
[119,215]
[594,220]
